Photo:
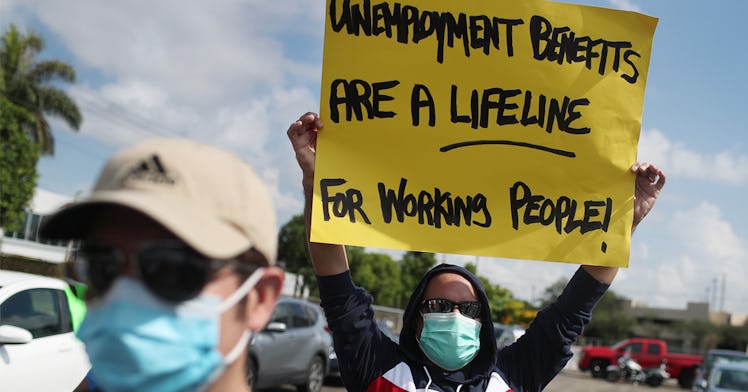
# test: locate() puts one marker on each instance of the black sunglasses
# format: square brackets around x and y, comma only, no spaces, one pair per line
[440,305]
[169,268]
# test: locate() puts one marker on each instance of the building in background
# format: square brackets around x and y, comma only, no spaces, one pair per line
[25,243]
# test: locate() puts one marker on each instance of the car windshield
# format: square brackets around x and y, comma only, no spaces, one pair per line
[726,357]
[732,379]
[619,344]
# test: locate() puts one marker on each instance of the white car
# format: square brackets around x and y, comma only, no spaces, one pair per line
[507,334]
[38,350]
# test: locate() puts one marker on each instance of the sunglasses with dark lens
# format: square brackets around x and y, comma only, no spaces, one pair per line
[440,305]
[169,268]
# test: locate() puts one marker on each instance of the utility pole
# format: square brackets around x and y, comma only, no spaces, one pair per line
[706,296]
[714,293]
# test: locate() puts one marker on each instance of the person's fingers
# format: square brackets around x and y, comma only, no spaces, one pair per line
[662,179]
[649,171]
[308,117]
[655,175]
[293,129]
[308,122]
[639,167]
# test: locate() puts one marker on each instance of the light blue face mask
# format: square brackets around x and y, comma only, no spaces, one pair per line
[450,340]
[137,342]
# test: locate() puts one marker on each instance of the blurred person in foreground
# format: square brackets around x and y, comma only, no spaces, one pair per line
[447,342]
[178,240]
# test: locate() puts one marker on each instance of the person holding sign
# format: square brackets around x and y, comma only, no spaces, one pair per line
[447,342]
[179,243]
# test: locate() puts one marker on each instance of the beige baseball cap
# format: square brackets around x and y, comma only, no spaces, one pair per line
[206,196]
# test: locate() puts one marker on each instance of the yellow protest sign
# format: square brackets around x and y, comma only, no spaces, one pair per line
[486,127]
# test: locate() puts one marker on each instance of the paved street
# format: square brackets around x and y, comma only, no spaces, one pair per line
[574,380]
[568,380]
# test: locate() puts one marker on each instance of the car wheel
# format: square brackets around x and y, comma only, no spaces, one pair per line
[251,373]
[315,377]
[685,380]
[597,368]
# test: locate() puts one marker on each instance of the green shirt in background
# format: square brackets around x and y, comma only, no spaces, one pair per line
[76,292]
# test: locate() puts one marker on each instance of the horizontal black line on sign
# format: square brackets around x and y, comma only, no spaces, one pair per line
[556,151]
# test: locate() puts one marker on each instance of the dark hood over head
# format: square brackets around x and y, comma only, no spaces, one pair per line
[484,361]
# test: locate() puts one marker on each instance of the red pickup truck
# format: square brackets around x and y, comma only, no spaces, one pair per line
[647,352]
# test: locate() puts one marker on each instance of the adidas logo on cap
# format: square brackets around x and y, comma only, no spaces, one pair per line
[149,170]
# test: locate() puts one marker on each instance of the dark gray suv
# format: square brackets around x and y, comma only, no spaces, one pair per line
[294,348]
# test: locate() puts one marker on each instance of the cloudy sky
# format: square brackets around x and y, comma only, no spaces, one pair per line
[237,72]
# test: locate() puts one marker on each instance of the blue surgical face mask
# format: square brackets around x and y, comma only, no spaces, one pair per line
[450,340]
[137,342]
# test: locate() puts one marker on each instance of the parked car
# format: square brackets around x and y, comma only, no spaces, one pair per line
[649,353]
[334,365]
[711,358]
[387,331]
[38,349]
[507,334]
[294,348]
[727,377]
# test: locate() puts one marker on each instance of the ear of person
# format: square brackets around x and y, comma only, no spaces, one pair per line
[261,300]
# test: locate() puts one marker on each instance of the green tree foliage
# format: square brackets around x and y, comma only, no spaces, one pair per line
[18,157]
[505,308]
[703,332]
[31,84]
[413,266]
[552,292]
[293,252]
[733,337]
[378,273]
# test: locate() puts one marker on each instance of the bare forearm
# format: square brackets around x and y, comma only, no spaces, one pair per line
[327,259]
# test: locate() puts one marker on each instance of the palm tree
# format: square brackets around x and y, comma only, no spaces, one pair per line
[27,83]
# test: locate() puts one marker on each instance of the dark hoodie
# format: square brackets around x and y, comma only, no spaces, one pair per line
[369,361]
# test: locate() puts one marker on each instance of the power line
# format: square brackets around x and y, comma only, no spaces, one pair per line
[112,111]
[90,152]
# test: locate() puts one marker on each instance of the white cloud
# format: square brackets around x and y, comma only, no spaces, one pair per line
[728,166]
[627,5]
[286,204]
[641,250]
[697,246]
[198,52]
[703,231]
